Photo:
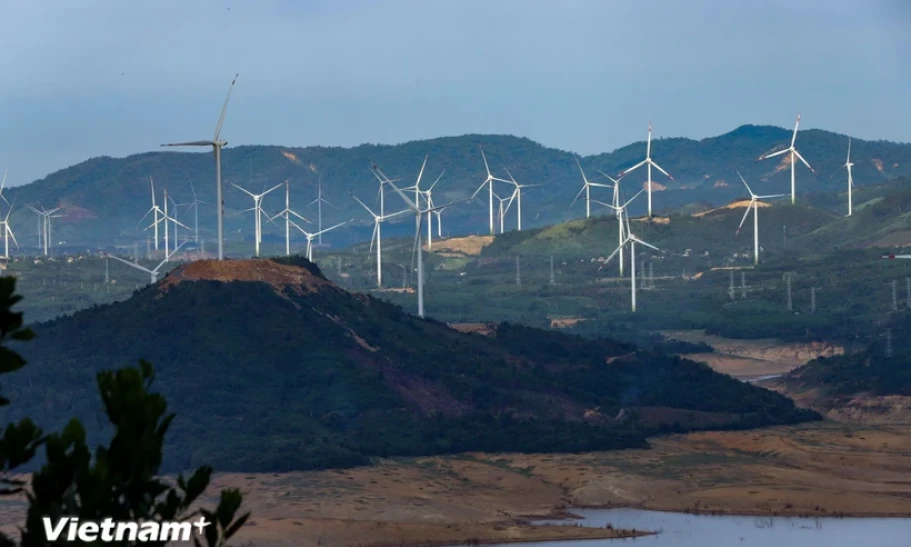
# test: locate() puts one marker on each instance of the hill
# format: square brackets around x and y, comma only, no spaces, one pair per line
[105,197]
[301,374]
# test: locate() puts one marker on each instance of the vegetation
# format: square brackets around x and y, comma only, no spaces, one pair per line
[870,371]
[299,379]
[121,481]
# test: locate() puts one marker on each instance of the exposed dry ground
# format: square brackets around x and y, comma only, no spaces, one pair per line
[747,359]
[469,245]
[814,469]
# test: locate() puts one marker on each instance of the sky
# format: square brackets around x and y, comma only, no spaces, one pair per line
[86,78]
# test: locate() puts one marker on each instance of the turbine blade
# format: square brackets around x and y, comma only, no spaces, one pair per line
[745,184]
[796,125]
[224,108]
[633,168]
[190,143]
[773,154]
[745,215]
[639,241]
[803,160]
[658,167]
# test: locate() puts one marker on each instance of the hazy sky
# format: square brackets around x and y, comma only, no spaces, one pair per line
[83,78]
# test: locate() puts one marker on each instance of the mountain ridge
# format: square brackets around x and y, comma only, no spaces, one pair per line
[116,190]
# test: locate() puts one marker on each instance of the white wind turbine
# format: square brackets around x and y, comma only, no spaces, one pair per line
[319,201]
[631,239]
[587,185]
[216,145]
[489,183]
[419,213]
[848,165]
[153,272]
[287,212]
[518,195]
[44,225]
[257,213]
[195,206]
[378,237]
[620,210]
[166,218]
[8,231]
[754,205]
[428,199]
[649,162]
[310,236]
[155,210]
[794,156]
[501,210]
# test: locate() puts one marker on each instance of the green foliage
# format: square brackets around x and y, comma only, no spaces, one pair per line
[122,480]
[302,380]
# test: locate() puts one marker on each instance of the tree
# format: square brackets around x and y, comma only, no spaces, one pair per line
[121,480]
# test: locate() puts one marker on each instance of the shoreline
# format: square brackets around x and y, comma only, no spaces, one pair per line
[801,514]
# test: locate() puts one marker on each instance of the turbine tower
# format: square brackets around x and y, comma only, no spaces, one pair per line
[195,206]
[489,183]
[44,225]
[378,237]
[754,205]
[8,231]
[428,198]
[287,212]
[587,185]
[631,240]
[794,156]
[257,213]
[848,165]
[620,210]
[216,145]
[649,163]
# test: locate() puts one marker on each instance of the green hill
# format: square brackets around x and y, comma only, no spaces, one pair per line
[302,374]
[105,197]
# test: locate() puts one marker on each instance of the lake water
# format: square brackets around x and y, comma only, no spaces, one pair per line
[683,530]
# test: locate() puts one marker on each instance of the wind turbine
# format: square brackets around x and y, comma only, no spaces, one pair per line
[153,272]
[794,155]
[7,230]
[195,206]
[754,204]
[501,211]
[649,162]
[44,224]
[428,198]
[310,236]
[620,210]
[518,195]
[216,145]
[631,239]
[155,210]
[378,237]
[419,213]
[319,201]
[489,183]
[257,212]
[287,212]
[586,187]
[848,165]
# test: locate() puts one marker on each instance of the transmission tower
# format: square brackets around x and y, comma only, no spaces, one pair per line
[518,272]
[651,276]
[107,278]
[743,286]
[908,290]
[889,343]
[812,299]
[731,287]
[894,295]
[784,230]
[787,279]
[553,279]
